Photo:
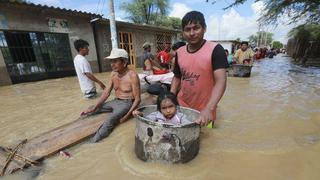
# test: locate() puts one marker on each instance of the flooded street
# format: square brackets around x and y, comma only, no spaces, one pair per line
[268,127]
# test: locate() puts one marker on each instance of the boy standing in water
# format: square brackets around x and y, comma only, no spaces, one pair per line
[126,85]
[200,70]
[83,69]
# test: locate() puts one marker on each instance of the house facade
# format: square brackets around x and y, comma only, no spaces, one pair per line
[36,41]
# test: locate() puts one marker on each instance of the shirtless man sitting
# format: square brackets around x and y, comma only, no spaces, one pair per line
[126,85]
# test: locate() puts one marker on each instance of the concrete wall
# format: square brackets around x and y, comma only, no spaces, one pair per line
[36,20]
[4,75]
[104,45]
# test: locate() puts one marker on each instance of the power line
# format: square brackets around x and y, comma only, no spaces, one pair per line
[97,9]
[102,7]
[230,4]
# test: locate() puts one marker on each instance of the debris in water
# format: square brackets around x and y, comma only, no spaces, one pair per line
[65,154]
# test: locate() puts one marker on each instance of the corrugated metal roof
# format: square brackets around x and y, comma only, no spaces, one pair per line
[82,13]
[150,27]
[29,4]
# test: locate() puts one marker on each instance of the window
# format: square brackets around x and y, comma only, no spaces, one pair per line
[20,47]
[31,53]
[163,39]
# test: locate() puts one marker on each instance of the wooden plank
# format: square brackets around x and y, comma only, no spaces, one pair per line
[54,140]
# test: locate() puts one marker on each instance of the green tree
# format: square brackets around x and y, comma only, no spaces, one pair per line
[296,10]
[261,38]
[304,41]
[170,22]
[277,44]
[146,11]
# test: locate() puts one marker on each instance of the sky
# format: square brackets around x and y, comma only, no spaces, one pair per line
[238,22]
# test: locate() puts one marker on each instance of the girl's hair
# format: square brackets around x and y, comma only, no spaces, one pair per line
[166,95]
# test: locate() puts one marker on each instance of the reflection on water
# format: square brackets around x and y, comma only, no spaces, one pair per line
[268,128]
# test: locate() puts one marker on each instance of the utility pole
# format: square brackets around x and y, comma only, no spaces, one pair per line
[113,29]
[266,37]
[259,32]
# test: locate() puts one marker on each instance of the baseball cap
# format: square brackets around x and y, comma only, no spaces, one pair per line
[146,44]
[117,53]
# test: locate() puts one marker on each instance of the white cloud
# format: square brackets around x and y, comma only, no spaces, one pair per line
[179,10]
[257,8]
[232,26]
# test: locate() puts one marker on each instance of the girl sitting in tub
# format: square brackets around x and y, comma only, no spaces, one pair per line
[167,105]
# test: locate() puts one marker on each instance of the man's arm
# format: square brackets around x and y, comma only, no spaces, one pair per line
[103,98]
[172,62]
[93,78]
[135,83]
[218,90]
[175,85]
[151,65]
[176,80]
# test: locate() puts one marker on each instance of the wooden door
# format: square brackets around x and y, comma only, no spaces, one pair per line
[125,42]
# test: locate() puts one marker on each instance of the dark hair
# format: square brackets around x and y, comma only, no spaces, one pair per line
[244,42]
[80,43]
[193,17]
[166,95]
[226,50]
[177,45]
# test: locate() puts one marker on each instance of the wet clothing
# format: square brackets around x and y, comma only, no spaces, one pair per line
[118,108]
[195,69]
[178,118]
[82,66]
[243,55]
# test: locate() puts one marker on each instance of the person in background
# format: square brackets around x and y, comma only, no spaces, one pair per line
[244,55]
[229,56]
[150,63]
[147,58]
[84,71]
[164,58]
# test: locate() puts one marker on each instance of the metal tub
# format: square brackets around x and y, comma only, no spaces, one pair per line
[240,70]
[166,143]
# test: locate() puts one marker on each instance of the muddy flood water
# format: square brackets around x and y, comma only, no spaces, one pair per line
[268,127]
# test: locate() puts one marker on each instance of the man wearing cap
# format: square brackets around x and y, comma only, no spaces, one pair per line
[126,85]
[149,63]
[244,55]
